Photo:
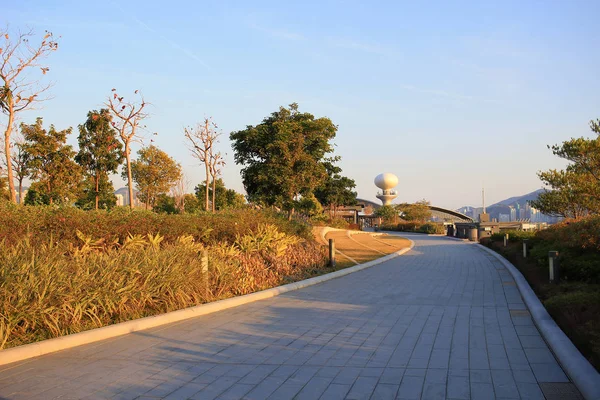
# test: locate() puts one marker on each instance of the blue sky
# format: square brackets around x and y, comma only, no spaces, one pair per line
[449,96]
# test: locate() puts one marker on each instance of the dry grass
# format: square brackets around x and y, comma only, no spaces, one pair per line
[56,289]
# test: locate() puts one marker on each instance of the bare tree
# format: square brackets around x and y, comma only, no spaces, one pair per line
[178,193]
[216,162]
[128,118]
[202,139]
[20,90]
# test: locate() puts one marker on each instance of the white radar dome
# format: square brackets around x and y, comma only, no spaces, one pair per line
[386,181]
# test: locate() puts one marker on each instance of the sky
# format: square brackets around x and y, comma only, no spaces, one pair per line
[451,96]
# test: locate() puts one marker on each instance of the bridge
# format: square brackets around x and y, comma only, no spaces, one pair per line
[438,214]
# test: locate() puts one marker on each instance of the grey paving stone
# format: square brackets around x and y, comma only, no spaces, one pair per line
[482,391]
[549,372]
[336,391]
[530,391]
[458,387]
[411,387]
[385,391]
[315,388]
[363,388]
[504,384]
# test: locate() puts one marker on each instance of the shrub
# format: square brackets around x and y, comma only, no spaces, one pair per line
[42,223]
[431,228]
[414,226]
[50,289]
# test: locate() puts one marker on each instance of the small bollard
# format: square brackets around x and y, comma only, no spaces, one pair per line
[554,266]
[332,253]
[505,239]
[525,249]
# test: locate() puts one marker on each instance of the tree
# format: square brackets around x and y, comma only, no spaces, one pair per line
[19,163]
[128,119]
[387,213]
[100,153]
[165,204]
[154,173]
[223,198]
[336,190]
[282,157]
[192,204]
[36,195]
[97,194]
[215,162]
[19,90]
[575,191]
[4,191]
[418,211]
[202,139]
[51,161]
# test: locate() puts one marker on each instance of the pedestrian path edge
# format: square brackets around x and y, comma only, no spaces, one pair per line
[581,372]
[31,350]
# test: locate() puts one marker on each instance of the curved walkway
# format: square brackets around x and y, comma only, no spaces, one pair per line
[443,321]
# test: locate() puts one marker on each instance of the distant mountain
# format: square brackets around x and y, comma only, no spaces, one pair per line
[520,200]
[511,209]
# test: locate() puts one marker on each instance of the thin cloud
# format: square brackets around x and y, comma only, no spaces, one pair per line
[445,94]
[173,44]
[373,48]
[277,33]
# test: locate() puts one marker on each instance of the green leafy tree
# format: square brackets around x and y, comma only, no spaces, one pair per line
[97,194]
[336,190]
[282,157]
[389,214]
[575,191]
[36,195]
[154,173]
[51,162]
[309,205]
[418,211]
[224,198]
[191,204]
[20,166]
[19,160]
[165,204]
[100,153]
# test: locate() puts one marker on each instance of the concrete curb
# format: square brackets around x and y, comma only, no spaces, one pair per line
[573,362]
[27,351]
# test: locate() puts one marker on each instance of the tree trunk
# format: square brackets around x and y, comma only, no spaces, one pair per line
[48,187]
[11,183]
[97,178]
[214,187]
[207,185]
[20,190]
[129,177]
[290,214]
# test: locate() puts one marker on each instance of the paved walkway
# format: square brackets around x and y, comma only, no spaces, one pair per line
[443,321]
